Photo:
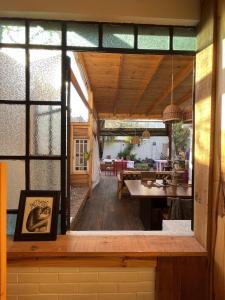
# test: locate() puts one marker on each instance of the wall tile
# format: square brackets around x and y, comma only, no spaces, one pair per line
[37,277]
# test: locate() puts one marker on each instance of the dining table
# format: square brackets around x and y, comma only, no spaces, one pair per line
[152,197]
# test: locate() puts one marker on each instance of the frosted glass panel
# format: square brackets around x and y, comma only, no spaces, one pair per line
[82,35]
[12,129]
[152,37]
[184,39]
[12,74]
[12,32]
[117,36]
[15,182]
[45,130]
[45,75]
[45,174]
[45,33]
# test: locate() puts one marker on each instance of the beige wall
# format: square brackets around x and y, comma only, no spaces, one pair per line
[183,12]
[59,283]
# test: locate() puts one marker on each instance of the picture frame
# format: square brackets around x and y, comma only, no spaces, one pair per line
[37,217]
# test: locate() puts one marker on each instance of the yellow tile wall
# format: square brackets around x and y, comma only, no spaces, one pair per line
[59,283]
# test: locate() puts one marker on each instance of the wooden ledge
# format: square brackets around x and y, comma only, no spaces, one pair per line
[136,246]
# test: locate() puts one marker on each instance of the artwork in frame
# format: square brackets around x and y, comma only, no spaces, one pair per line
[37,217]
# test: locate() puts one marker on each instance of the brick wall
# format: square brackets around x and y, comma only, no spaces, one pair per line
[70,283]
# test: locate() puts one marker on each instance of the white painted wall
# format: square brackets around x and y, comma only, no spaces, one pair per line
[172,12]
[146,148]
[95,163]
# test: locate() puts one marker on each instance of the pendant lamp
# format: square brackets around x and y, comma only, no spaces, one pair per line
[135,139]
[146,134]
[187,115]
[172,113]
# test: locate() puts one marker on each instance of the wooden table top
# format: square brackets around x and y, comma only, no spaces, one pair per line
[138,189]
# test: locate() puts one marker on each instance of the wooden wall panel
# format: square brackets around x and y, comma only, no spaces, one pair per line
[204,118]
[182,278]
[80,130]
[90,134]
[218,209]
[2,231]
[79,179]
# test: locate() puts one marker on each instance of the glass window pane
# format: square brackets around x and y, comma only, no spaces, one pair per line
[45,130]
[15,182]
[45,33]
[12,129]
[82,35]
[45,75]
[153,37]
[184,39]
[12,32]
[118,36]
[45,174]
[12,74]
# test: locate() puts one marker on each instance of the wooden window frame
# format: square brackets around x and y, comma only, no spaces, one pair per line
[74,152]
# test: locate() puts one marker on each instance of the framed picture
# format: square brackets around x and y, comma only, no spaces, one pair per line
[37,217]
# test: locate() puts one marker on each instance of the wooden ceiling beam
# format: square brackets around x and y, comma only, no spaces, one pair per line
[178,79]
[83,68]
[132,131]
[118,83]
[79,91]
[153,70]
[184,98]
[127,116]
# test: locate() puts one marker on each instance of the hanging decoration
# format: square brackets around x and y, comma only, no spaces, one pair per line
[146,134]
[187,115]
[135,140]
[172,113]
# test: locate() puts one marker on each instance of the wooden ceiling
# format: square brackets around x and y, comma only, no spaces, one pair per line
[127,86]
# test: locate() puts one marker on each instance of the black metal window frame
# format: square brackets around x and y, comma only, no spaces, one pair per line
[63,103]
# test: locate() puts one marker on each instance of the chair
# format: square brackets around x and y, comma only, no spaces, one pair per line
[180,209]
[126,175]
[148,176]
[120,166]
[109,169]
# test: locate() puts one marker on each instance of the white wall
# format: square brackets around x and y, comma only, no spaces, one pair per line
[95,163]
[146,149]
[177,12]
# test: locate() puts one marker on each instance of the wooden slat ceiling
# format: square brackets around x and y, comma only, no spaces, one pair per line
[132,86]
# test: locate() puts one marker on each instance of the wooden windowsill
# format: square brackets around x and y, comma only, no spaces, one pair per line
[69,246]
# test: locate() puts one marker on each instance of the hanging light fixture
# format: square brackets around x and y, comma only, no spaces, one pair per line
[135,139]
[187,115]
[146,134]
[172,113]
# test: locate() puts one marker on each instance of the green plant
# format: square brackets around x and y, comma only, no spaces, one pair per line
[87,155]
[127,152]
[180,137]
